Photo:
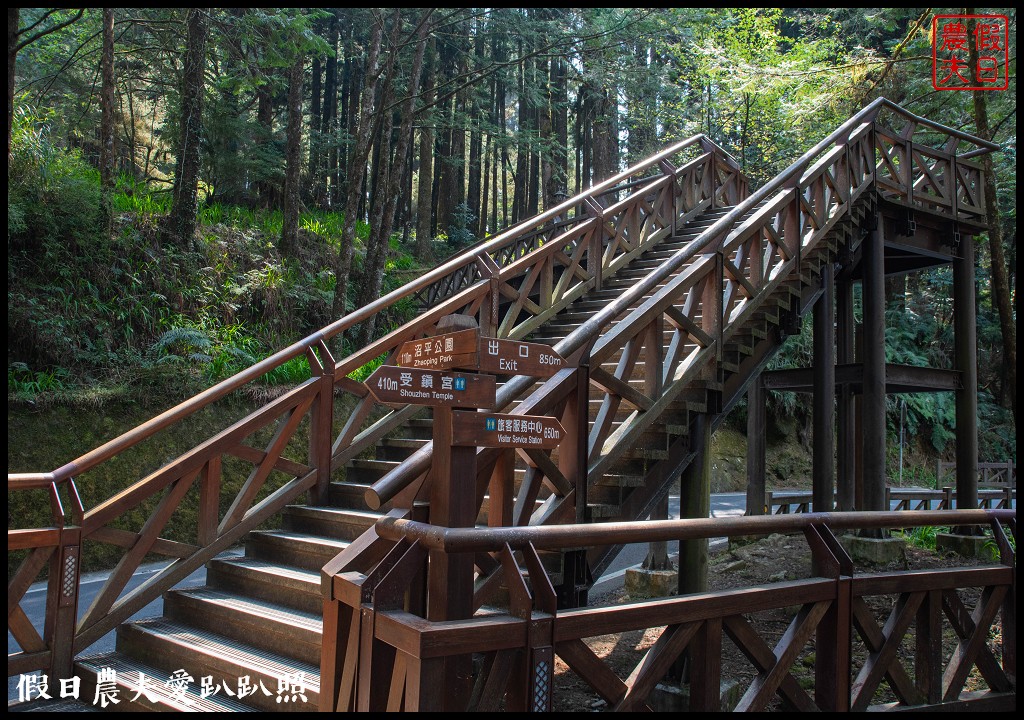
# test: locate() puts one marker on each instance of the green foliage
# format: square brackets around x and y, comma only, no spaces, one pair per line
[361,373]
[292,372]
[51,193]
[222,352]
[23,382]
[922,537]
[459,235]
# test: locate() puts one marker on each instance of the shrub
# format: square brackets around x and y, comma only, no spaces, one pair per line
[53,194]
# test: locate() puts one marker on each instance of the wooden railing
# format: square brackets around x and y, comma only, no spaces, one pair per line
[990,474]
[247,473]
[373,626]
[785,502]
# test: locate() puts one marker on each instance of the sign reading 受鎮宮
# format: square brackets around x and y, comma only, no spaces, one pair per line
[412,386]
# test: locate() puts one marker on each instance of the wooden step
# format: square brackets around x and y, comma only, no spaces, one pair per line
[332,522]
[293,633]
[367,471]
[169,646]
[292,587]
[294,549]
[399,448]
[141,687]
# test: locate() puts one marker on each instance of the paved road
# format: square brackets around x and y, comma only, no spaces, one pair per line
[722,505]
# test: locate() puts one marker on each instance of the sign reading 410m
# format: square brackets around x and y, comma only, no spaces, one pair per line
[411,386]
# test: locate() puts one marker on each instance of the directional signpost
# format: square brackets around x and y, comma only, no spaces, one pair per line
[441,352]
[424,376]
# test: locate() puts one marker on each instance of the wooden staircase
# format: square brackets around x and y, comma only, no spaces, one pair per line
[669,285]
[259,616]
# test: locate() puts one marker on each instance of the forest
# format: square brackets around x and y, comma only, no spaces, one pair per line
[191,189]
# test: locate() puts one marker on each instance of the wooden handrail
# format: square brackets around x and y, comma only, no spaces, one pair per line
[553,537]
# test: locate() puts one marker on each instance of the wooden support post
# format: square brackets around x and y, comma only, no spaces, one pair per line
[965,353]
[450,575]
[657,552]
[695,502]
[62,604]
[823,473]
[321,427]
[873,266]
[832,636]
[706,667]
[756,455]
[845,450]
[572,453]
[928,647]
[501,490]
[572,462]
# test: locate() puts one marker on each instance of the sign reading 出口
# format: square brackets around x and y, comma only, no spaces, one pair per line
[466,350]
[413,386]
[477,429]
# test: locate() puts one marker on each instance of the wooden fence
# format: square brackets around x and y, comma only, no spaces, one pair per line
[990,474]
[380,654]
[785,502]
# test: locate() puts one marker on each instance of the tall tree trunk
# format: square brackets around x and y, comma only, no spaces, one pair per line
[353,87]
[476,143]
[606,146]
[107,102]
[498,52]
[356,169]
[13,18]
[452,141]
[373,277]
[265,122]
[522,174]
[424,191]
[328,127]
[1000,277]
[424,188]
[293,159]
[485,184]
[185,202]
[585,125]
[313,189]
[556,188]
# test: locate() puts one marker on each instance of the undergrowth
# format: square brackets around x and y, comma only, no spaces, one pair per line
[96,298]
